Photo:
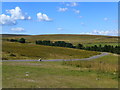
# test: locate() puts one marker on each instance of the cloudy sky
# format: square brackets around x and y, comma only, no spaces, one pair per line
[99,18]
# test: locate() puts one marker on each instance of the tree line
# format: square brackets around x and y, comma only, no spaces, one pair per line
[21,40]
[104,48]
[100,48]
[56,43]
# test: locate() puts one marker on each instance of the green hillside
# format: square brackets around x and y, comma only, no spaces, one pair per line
[72,38]
[17,50]
[97,73]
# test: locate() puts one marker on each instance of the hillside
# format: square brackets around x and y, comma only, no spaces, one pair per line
[12,35]
[66,74]
[31,51]
[72,38]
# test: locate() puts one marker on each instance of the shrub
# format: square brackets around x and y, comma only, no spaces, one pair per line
[13,55]
[13,40]
[22,40]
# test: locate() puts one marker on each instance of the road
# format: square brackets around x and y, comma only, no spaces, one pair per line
[93,57]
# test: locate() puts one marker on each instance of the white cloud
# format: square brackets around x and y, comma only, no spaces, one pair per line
[43,17]
[7,20]
[17,13]
[105,18]
[103,32]
[18,29]
[29,17]
[62,9]
[85,33]
[59,28]
[73,4]
[76,11]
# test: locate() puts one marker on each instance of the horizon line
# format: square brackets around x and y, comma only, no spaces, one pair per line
[58,34]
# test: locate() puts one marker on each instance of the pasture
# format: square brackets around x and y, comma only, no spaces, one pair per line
[74,39]
[14,50]
[101,72]
[59,75]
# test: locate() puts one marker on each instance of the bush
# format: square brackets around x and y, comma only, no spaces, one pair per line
[13,40]
[22,40]
[13,55]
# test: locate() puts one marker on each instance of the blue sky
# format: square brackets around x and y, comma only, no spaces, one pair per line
[34,18]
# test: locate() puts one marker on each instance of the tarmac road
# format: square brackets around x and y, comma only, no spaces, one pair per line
[93,57]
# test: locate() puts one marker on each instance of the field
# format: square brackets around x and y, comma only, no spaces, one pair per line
[17,51]
[75,39]
[101,72]
[59,75]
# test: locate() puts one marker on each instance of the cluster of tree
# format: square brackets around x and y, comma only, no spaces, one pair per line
[57,43]
[21,40]
[105,48]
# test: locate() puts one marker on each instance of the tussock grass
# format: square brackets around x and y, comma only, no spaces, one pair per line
[32,51]
[104,64]
[98,73]
[53,75]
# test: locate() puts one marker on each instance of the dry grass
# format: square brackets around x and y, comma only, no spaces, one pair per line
[75,39]
[32,51]
[104,64]
[53,75]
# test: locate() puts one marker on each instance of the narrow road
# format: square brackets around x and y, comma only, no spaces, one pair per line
[93,57]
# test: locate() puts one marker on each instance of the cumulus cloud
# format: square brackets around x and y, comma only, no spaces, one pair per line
[18,29]
[62,9]
[15,14]
[43,17]
[76,11]
[7,20]
[73,4]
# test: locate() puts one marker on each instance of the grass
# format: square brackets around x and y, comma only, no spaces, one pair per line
[55,75]
[97,73]
[12,50]
[0,74]
[104,64]
[75,39]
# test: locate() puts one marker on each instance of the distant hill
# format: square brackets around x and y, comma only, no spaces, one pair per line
[12,35]
[32,51]
[72,38]
[15,50]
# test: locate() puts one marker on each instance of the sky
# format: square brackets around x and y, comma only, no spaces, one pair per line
[36,18]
